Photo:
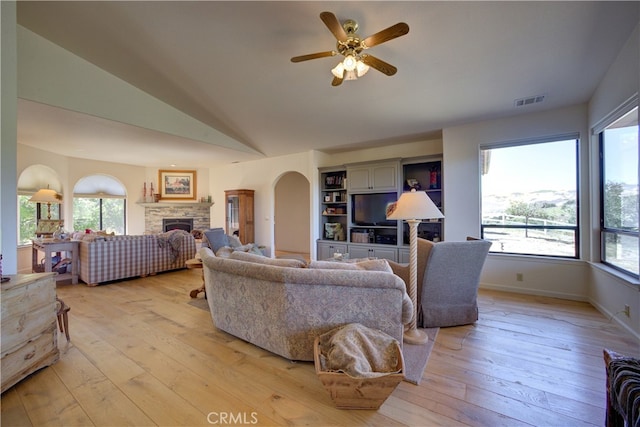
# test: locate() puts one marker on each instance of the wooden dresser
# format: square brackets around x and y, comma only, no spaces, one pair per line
[29,339]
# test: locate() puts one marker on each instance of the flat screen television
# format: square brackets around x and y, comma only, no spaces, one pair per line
[371,209]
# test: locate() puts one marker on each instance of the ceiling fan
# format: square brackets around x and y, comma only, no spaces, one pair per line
[351,46]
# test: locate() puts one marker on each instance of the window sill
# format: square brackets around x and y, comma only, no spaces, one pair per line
[534,258]
[625,278]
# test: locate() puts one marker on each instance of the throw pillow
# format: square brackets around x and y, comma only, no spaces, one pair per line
[369,265]
[224,252]
[216,238]
[259,259]
[234,241]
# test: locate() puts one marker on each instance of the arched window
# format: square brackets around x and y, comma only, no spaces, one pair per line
[32,179]
[99,203]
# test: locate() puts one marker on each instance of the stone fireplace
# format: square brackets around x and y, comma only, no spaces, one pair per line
[182,216]
[169,224]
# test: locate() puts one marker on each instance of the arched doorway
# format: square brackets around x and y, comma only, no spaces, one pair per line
[292,216]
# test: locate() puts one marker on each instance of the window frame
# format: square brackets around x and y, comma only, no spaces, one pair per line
[574,136]
[100,198]
[617,114]
[39,214]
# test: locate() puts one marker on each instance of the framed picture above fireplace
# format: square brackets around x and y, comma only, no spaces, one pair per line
[177,185]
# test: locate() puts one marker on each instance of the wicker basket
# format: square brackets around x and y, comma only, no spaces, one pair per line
[357,393]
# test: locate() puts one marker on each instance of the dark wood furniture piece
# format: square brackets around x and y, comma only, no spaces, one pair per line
[239,214]
[196,263]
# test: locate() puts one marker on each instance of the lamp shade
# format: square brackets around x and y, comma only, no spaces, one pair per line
[414,205]
[46,195]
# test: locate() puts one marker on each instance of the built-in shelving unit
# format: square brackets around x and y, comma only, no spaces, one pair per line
[425,175]
[354,199]
[333,192]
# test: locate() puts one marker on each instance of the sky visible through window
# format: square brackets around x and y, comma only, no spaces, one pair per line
[528,168]
[622,162]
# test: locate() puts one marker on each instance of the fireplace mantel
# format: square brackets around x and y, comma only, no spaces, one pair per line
[175,204]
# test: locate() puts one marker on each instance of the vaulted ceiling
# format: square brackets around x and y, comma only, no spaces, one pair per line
[225,68]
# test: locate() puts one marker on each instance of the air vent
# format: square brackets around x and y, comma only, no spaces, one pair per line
[528,100]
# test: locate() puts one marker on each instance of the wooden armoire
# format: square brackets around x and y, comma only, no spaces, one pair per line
[239,214]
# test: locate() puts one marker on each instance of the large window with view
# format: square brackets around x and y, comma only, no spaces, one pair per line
[619,193]
[99,213]
[29,213]
[529,197]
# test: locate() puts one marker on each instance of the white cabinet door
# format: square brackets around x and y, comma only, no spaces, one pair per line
[380,177]
[326,250]
[358,179]
[384,178]
[387,253]
[403,256]
[358,251]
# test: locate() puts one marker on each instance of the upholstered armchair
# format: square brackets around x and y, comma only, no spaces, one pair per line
[448,279]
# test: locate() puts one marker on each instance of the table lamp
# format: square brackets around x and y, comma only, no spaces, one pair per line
[413,207]
[48,196]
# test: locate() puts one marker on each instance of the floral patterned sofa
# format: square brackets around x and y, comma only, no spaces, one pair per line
[281,305]
[108,258]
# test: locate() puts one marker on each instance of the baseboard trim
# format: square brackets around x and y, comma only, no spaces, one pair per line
[614,317]
[530,291]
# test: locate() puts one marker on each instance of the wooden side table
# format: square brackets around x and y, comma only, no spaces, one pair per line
[193,264]
[49,246]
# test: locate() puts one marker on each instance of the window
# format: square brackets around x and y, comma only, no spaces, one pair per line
[619,193]
[529,197]
[99,203]
[29,213]
[99,214]
[32,179]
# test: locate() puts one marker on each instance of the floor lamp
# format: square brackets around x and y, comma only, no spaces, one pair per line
[413,207]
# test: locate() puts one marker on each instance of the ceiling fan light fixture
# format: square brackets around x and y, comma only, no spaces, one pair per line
[361,68]
[350,62]
[338,70]
[351,75]
[351,46]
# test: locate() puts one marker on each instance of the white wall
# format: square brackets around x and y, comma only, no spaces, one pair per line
[552,277]
[609,291]
[8,132]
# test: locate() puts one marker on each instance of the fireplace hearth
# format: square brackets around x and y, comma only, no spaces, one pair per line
[169,224]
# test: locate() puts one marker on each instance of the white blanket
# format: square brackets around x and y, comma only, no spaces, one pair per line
[359,352]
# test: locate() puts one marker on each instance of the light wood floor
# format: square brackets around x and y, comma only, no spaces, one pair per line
[142,355]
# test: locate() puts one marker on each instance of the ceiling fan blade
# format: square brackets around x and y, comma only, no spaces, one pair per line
[379,65]
[334,26]
[394,31]
[313,56]
[337,81]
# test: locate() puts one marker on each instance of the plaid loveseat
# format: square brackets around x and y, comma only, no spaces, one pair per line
[109,258]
